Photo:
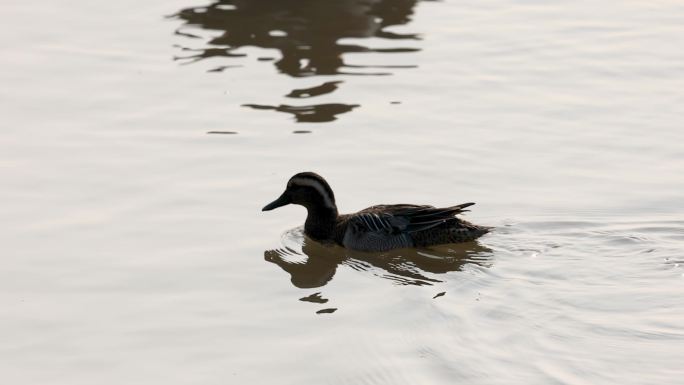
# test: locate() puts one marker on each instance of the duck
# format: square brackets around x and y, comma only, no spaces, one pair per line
[377,228]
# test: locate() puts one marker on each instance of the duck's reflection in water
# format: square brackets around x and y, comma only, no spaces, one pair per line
[306,32]
[309,34]
[317,263]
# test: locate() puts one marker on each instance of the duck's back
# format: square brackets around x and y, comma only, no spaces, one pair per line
[386,227]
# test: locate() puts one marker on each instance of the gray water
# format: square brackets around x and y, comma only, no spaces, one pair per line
[140,140]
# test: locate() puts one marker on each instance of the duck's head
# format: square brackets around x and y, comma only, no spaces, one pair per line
[306,189]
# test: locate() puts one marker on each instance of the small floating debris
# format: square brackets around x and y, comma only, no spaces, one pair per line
[325,311]
[439,294]
[395,102]
[222,132]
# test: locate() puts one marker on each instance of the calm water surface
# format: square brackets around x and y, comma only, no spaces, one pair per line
[140,140]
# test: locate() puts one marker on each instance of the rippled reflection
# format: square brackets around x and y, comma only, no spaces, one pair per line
[314,113]
[311,36]
[312,264]
[310,92]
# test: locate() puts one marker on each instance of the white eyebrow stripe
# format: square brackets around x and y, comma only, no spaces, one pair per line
[327,199]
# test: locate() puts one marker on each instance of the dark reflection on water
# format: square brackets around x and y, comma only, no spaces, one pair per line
[308,34]
[315,265]
[314,113]
[310,92]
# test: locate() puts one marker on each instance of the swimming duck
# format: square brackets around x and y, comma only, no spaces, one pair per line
[377,228]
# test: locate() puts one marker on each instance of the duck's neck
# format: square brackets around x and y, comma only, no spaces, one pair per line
[320,222]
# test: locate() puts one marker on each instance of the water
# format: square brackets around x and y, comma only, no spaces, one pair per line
[139,143]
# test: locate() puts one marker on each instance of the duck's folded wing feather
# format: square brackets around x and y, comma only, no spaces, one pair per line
[414,218]
[371,231]
[419,213]
[392,226]
[384,223]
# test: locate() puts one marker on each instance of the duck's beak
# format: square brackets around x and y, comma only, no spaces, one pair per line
[281,201]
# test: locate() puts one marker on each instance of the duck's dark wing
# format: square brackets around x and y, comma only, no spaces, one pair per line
[368,231]
[419,218]
[387,227]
